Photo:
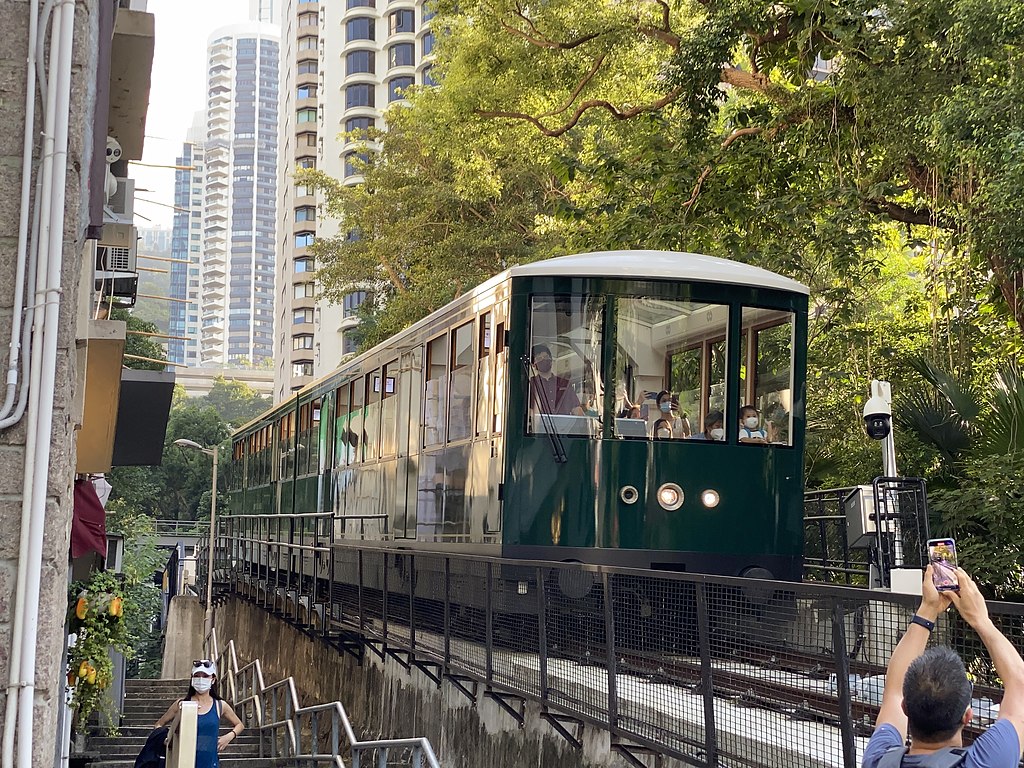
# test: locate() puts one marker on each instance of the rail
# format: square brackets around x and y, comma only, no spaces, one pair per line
[165,527]
[304,734]
[181,737]
[707,670]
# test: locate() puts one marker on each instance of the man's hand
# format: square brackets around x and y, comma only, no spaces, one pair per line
[969,601]
[224,740]
[933,602]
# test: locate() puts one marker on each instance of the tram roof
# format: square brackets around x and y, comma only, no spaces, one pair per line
[657,265]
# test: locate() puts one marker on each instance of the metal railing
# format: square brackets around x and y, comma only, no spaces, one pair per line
[300,734]
[707,670]
[162,527]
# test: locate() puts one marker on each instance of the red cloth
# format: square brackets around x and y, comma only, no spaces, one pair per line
[89,523]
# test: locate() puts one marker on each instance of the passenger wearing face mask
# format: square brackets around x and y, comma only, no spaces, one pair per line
[203,691]
[714,427]
[550,393]
[669,426]
[750,426]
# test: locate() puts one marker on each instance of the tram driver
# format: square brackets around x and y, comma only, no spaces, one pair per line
[550,393]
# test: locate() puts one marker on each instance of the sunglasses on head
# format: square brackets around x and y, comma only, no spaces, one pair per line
[202,662]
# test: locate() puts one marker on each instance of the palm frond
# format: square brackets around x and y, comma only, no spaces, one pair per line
[1003,428]
[935,422]
[959,396]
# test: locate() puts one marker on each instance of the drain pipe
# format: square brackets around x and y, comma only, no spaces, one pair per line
[43,372]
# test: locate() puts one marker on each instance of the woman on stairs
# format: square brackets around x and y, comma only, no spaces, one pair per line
[212,708]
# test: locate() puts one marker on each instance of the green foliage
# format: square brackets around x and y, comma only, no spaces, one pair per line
[140,346]
[235,401]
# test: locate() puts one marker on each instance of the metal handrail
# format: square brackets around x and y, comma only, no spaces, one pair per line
[279,717]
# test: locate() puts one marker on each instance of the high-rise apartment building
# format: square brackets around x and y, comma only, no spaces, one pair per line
[240,196]
[365,53]
[187,246]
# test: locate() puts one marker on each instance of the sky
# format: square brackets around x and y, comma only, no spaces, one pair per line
[178,91]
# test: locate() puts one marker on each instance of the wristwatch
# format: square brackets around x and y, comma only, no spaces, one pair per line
[922,622]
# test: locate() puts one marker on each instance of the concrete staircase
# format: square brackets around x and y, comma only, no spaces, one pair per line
[145,701]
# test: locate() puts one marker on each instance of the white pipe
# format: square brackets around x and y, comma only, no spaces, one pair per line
[26,192]
[44,366]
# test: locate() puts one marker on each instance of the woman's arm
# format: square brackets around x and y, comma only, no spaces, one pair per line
[236,726]
[168,716]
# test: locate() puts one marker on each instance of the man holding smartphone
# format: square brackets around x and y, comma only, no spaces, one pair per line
[927,693]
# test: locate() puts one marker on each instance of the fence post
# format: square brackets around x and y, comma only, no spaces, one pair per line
[707,682]
[542,633]
[489,601]
[610,660]
[447,615]
[412,600]
[842,663]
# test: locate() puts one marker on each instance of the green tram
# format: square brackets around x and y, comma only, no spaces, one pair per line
[527,419]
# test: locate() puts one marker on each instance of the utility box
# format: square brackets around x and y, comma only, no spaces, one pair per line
[861,525]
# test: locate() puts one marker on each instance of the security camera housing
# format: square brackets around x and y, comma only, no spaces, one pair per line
[878,425]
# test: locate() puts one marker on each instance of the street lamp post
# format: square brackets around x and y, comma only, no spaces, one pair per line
[212,452]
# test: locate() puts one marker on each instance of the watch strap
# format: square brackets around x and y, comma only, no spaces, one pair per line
[922,622]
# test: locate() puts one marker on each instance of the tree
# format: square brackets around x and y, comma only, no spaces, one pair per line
[235,401]
[138,344]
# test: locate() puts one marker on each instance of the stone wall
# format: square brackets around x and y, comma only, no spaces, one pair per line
[385,700]
[53,596]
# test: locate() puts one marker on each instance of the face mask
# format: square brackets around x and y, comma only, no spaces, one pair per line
[543,366]
[202,684]
[665,407]
[750,422]
[718,434]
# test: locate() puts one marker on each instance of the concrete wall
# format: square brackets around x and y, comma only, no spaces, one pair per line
[184,637]
[386,700]
[53,597]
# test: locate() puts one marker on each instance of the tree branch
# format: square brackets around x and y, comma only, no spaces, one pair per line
[538,38]
[578,89]
[922,216]
[738,133]
[618,114]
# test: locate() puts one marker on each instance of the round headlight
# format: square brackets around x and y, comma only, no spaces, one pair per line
[710,498]
[629,494]
[670,496]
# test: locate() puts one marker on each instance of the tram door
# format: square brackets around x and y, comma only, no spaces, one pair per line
[495,397]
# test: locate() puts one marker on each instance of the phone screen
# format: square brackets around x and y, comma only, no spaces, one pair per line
[942,557]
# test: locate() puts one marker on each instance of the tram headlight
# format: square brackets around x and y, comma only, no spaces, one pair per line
[629,494]
[710,498]
[670,496]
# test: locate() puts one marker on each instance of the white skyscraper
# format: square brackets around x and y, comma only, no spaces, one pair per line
[240,195]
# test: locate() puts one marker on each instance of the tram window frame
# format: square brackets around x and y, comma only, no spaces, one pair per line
[371,416]
[436,349]
[313,454]
[389,409]
[458,375]
[498,391]
[342,445]
[301,442]
[751,362]
[357,392]
[484,373]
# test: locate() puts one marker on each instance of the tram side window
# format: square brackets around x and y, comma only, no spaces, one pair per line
[357,394]
[389,409]
[314,437]
[434,396]
[344,439]
[767,389]
[302,441]
[498,393]
[287,445]
[565,386]
[460,388]
[670,365]
[483,374]
[371,425]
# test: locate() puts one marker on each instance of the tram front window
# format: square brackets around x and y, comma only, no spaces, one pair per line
[670,366]
[565,388]
[767,394]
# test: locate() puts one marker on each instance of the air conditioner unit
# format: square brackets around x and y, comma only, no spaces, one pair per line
[120,208]
[116,263]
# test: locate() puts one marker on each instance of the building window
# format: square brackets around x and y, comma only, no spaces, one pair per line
[428,43]
[359,95]
[303,239]
[305,341]
[305,213]
[302,368]
[307,68]
[360,28]
[428,11]
[307,43]
[308,20]
[304,265]
[350,304]
[361,4]
[301,190]
[302,316]
[357,62]
[306,92]
[303,290]
[355,163]
[306,162]
[402,21]
[402,55]
[397,86]
[348,344]
[428,77]
[361,124]
[307,115]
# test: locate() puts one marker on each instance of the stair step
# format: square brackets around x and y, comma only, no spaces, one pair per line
[126,750]
[226,761]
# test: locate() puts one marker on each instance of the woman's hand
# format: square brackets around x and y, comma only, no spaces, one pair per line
[224,740]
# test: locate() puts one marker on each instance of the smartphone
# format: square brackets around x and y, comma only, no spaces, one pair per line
[942,558]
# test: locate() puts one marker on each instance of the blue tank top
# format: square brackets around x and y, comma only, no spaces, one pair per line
[207,731]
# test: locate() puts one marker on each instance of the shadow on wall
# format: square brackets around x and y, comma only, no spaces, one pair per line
[184,638]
